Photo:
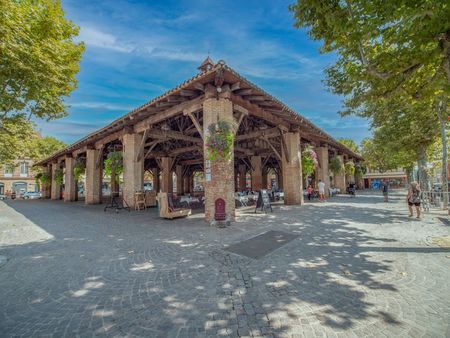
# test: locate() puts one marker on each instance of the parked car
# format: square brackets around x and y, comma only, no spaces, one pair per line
[2,197]
[31,195]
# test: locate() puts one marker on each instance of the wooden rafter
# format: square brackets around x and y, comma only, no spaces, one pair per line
[277,154]
[194,120]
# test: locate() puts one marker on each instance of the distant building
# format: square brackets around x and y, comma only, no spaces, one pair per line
[397,178]
[18,177]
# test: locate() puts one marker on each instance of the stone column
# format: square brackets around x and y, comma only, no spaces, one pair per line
[339,179]
[166,178]
[322,171]
[155,172]
[186,187]
[70,184]
[93,188]
[242,177]
[292,170]
[219,174]
[55,188]
[280,179]
[180,183]
[256,173]
[47,187]
[133,168]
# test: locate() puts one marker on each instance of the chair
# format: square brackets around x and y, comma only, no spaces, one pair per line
[139,201]
[167,208]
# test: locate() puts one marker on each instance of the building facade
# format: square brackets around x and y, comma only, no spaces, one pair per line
[397,178]
[17,177]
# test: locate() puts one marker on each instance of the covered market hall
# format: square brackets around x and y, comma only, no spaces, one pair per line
[172,135]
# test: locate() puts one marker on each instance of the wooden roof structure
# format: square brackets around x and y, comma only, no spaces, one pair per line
[171,122]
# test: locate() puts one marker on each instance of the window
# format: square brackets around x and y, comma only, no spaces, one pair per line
[23,169]
[8,169]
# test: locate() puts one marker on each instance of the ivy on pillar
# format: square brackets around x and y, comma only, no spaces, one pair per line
[292,169]
[70,184]
[56,183]
[93,177]
[133,166]
[323,170]
[256,173]
[219,172]
[339,178]
[47,183]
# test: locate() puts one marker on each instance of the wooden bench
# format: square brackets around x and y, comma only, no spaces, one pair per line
[167,208]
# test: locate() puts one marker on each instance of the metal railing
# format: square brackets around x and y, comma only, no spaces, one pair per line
[433,200]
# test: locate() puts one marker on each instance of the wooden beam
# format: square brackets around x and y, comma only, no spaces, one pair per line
[111,137]
[187,92]
[191,105]
[165,104]
[235,86]
[185,150]
[191,162]
[100,157]
[153,145]
[277,154]
[245,151]
[199,86]
[244,91]
[172,134]
[195,122]
[254,110]
[142,146]
[255,98]
[272,132]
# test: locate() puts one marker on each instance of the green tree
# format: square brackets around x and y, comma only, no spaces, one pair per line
[38,62]
[350,144]
[42,147]
[391,55]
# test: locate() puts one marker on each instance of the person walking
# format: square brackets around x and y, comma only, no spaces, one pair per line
[413,199]
[309,192]
[321,187]
[385,189]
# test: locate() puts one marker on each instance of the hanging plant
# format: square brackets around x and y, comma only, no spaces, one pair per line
[58,176]
[78,170]
[309,161]
[335,165]
[43,178]
[220,140]
[359,171]
[114,163]
[349,168]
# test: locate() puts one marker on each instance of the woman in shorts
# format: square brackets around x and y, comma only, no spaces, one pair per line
[413,199]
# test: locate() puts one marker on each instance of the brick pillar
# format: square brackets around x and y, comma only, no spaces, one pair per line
[133,170]
[322,171]
[55,188]
[47,187]
[242,174]
[69,184]
[292,170]
[221,182]
[339,179]
[280,179]
[93,189]
[180,184]
[256,173]
[166,177]
[191,182]
[155,172]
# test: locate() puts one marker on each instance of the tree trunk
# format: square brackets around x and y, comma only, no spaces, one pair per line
[444,176]
[422,164]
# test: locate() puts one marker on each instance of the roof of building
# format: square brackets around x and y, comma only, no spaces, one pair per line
[278,109]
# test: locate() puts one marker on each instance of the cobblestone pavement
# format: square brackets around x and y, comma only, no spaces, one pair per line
[359,268]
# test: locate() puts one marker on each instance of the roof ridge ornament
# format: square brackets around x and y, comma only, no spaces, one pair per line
[206,65]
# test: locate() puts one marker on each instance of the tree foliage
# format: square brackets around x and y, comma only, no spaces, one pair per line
[38,62]
[350,144]
[335,165]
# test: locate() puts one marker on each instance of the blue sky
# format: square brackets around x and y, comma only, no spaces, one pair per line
[136,50]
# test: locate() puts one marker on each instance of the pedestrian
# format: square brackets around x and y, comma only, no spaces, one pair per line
[321,187]
[309,192]
[413,198]
[385,189]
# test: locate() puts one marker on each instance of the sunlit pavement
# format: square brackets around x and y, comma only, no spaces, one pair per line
[358,268]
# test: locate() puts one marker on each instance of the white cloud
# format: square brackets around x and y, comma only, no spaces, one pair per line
[96,38]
